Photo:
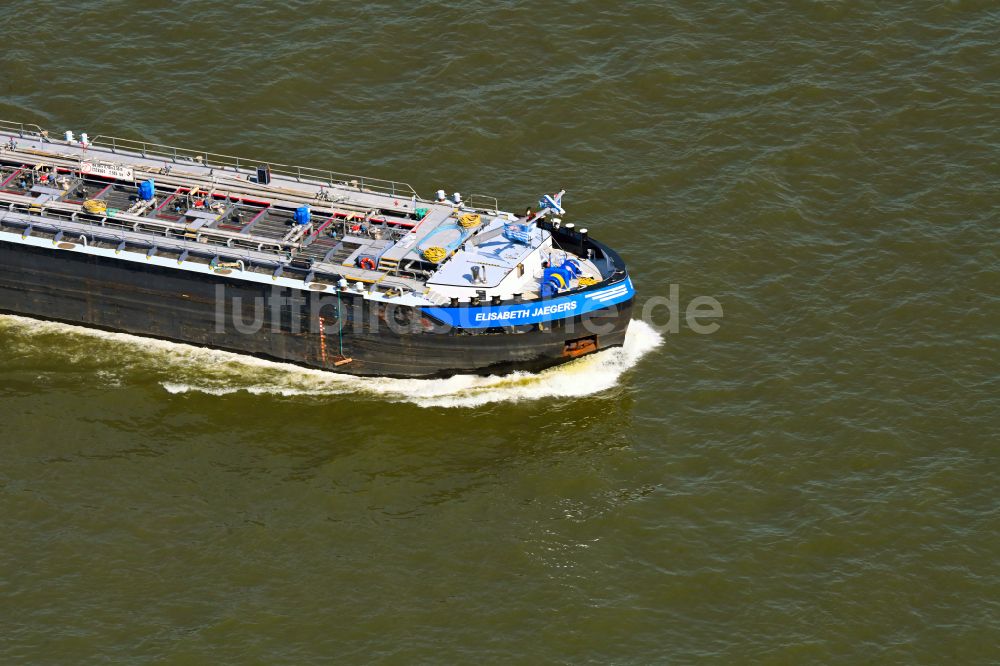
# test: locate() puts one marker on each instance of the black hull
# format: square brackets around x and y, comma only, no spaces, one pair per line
[184,306]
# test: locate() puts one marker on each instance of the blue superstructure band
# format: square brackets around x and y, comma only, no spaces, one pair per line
[516,314]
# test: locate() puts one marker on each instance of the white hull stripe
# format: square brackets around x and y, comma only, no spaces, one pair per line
[609,294]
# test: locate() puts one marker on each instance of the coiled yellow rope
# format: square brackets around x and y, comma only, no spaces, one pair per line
[470,220]
[95,206]
[435,254]
[586,281]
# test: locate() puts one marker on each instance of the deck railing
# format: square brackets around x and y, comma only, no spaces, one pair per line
[22,129]
[215,160]
[483,202]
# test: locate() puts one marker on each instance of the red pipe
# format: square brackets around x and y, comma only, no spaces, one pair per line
[322,227]
[247,225]
[165,202]
[12,177]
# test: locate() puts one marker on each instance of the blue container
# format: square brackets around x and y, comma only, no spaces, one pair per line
[302,215]
[147,190]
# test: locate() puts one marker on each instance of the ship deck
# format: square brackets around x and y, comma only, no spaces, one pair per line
[212,208]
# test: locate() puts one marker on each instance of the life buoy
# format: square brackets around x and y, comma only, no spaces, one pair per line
[367,263]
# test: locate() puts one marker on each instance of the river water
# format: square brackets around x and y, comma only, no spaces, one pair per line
[814,482]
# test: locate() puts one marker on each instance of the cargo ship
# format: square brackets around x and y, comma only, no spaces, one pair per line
[317,268]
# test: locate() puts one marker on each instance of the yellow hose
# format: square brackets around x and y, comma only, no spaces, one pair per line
[470,220]
[435,254]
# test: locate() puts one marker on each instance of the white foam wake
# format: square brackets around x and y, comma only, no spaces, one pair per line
[182,368]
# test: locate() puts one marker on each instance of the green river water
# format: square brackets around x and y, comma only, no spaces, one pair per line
[815,482]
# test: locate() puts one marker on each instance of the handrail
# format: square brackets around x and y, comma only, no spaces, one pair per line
[480,201]
[127,220]
[119,230]
[176,154]
[22,128]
